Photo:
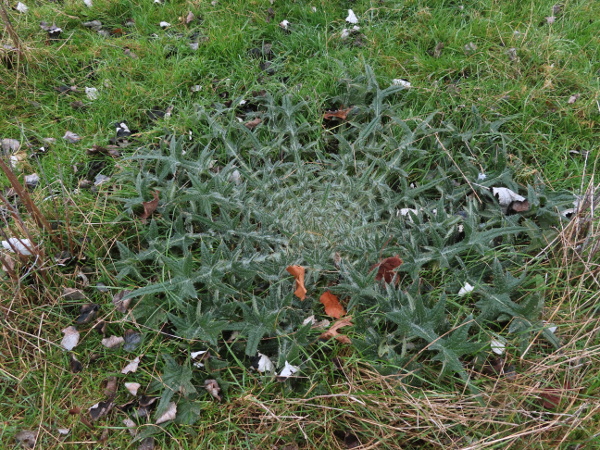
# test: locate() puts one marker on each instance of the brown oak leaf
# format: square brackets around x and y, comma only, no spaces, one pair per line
[341,114]
[298,273]
[333,307]
[150,206]
[385,269]
[333,331]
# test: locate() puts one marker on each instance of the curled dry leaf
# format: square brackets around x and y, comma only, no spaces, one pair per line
[73,294]
[298,272]
[100,409]
[333,333]
[87,313]
[150,206]
[147,443]
[341,114]
[71,338]
[121,305]
[333,307]
[72,137]
[385,269]
[113,342]
[26,438]
[75,364]
[132,387]
[130,424]
[132,340]
[169,414]
[213,388]
[110,390]
[132,366]
[252,124]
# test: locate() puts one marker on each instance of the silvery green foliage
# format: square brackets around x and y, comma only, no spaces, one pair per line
[212,259]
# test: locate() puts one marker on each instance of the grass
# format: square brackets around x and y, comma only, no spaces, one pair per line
[346,400]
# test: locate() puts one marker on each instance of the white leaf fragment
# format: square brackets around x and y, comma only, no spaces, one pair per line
[288,370]
[169,414]
[131,426]
[351,17]
[284,24]
[71,339]
[132,387]
[550,327]
[21,7]
[465,289]
[401,82]
[132,366]
[265,364]
[199,355]
[63,431]
[92,93]
[72,137]
[31,181]
[10,145]
[481,177]
[498,346]
[505,196]
[21,246]
[573,98]
[88,3]
[164,24]
[113,341]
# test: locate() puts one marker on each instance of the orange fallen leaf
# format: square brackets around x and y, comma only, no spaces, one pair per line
[333,333]
[386,268]
[298,273]
[333,307]
[252,124]
[338,114]
[150,206]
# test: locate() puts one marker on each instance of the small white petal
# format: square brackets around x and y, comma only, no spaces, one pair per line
[21,7]
[351,17]
[265,364]
[498,346]
[465,289]
[344,34]
[63,431]
[288,370]
[481,177]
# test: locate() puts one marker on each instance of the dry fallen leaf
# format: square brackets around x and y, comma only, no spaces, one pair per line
[287,371]
[169,414]
[213,388]
[100,409]
[132,388]
[121,305]
[333,333]
[72,137]
[150,206]
[71,338]
[87,313]
[298,273]
[132,366]
[26,438]
[333,307]
[385,269]
[75,364]
[252,124]
[113,342]
[341,114]
[110,390]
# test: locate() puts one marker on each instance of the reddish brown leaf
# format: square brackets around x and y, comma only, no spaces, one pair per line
[150,207]
[385,269]
[341,114]
[333,333]
[550,398]
[298,273]
[333,307]
[252,124]
[517,207]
